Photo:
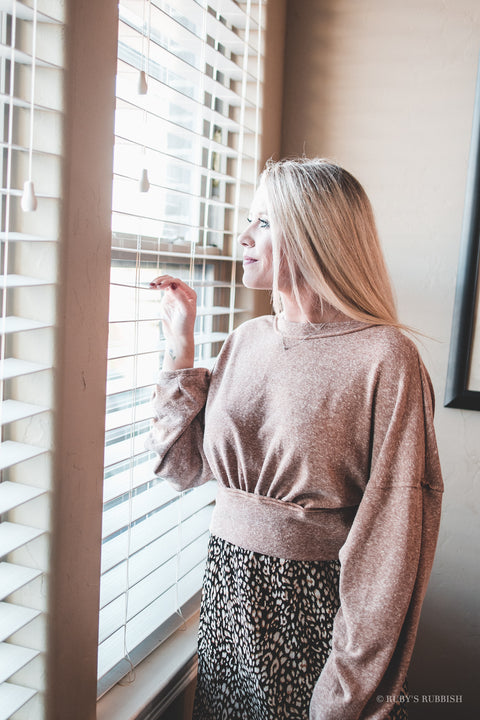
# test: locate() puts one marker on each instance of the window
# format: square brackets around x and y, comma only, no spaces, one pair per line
[195,133]
[31,77]
[187,128]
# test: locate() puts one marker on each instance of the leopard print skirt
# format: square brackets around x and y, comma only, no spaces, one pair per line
[265,634]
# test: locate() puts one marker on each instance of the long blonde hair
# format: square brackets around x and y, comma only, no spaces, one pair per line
[325,238]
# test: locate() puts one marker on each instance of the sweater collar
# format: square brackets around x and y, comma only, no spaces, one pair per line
[287,328]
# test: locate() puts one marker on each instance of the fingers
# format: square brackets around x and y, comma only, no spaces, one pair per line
[168,282]
[164,281]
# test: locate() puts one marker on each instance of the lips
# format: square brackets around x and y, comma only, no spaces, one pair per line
[248,260]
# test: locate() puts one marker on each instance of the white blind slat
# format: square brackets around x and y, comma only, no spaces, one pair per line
[13,658]
[127,199]
[233,12]
[112,649]
[154,555]
[115,549]
[37,153]
[13,577]
[13,367]
[18,192]
[12,324]
[127,372]
[129,382]
[25,104]
[146,622]
[129,448]
[12,410]
[139,506]
[176,124]
[224,35]
[23,12]
[13,494]
[126,160]
[147,590]
[128,415]
[124,481]
[14,617]
[179,36]
[211,254]
[13,281]
[193,283]
[116,317]
[24,237]
[13,536]
[23,58]
[12,453]
[186,79]
[12,698]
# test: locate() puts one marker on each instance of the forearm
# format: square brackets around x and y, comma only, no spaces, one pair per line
[176,435]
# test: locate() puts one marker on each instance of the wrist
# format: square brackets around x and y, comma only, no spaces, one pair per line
[178,355]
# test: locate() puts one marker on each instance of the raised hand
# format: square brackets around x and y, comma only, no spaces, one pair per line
[178,310]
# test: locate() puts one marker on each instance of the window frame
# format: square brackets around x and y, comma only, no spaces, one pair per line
[91,44]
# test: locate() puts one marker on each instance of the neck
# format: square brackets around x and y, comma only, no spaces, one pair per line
[311,310]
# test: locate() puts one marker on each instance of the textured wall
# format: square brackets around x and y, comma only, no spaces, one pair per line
[387,89]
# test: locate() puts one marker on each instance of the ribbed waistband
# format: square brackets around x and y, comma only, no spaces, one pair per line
[278,528]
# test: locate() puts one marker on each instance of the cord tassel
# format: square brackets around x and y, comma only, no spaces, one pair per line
[29,199]
[144,182]
[142,86]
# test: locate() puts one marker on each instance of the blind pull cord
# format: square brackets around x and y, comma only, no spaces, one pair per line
[130,677]
[142,89]
[3,339]
[29,200]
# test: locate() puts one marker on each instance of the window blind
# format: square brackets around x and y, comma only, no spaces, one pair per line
[187,129]
[31,60]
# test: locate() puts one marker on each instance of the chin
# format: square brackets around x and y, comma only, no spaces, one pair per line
[253,284]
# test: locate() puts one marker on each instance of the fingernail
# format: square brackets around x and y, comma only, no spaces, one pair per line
[173,286]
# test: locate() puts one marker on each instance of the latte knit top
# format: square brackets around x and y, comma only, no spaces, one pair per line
[321,439]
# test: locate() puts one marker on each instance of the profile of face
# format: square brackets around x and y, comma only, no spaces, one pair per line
[256,241]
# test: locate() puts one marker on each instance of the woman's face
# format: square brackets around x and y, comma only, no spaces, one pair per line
[256,241]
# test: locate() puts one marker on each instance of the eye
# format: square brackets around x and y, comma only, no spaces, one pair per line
[249,220]
[264,223]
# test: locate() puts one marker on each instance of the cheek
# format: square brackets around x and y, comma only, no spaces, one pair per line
[268,255]
[266,252]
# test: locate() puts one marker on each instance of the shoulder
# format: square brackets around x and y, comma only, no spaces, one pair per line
[391,358]
[388,346]
[247,337]
[249,330]
[396,362]
[255,325]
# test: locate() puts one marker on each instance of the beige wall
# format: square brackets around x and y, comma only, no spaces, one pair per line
[387,88]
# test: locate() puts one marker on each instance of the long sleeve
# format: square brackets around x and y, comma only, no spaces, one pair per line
[178,427]
[387,557]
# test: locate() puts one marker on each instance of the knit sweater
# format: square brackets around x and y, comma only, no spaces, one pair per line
[321,439]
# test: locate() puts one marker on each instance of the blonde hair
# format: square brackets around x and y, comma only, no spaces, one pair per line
[325,238]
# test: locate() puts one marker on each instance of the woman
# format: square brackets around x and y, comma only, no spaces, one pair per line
[317,423]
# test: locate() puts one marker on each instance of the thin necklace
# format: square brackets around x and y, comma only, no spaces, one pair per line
[290,345]
[289,342]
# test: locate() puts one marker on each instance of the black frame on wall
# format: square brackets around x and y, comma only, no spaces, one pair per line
[466,313]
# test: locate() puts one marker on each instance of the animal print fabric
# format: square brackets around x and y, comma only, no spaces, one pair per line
[265,634]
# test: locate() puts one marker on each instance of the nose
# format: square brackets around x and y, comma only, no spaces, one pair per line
[245,239]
